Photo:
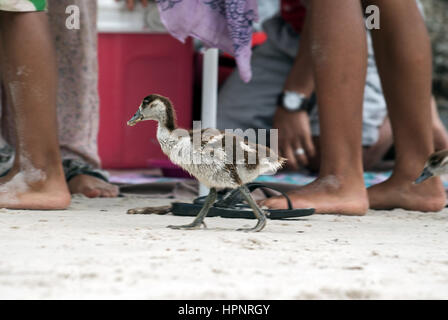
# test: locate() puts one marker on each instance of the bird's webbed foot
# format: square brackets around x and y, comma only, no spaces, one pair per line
[259,226]
[191,226]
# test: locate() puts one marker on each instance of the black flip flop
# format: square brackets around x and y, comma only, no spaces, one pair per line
[230,205]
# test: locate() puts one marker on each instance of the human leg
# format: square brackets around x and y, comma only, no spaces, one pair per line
[78,101]
[339,55]
[36,180]
[404,60]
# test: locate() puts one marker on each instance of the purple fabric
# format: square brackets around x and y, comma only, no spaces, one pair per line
[222,24]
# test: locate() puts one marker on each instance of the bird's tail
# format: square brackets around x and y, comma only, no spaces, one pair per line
[270,166]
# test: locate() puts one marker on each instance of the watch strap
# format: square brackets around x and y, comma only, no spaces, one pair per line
[305,105]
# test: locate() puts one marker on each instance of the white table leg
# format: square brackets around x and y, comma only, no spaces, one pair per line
[209,95]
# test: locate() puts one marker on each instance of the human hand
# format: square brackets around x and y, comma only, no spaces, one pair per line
[294,135]
[130,4]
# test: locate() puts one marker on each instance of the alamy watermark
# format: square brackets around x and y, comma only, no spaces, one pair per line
[73,21]
[236,147]
[373,18]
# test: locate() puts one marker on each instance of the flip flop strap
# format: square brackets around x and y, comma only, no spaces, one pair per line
[200,200]
[235,197]
[74,167]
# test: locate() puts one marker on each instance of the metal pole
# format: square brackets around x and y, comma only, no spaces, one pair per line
[209,95]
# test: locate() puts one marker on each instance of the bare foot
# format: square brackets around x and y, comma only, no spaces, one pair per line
[34,190]
[328,195]
[92,187]
[428,196]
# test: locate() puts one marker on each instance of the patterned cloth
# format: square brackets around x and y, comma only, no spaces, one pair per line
[73,168]
[222,24]
[78,100]
[301,179]
[23,5]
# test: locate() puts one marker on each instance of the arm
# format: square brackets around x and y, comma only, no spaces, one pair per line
[301,79]
[294,127]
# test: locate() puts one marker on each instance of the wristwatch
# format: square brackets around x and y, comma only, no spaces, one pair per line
[293,101]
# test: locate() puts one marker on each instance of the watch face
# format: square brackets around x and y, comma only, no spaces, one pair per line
[292,101]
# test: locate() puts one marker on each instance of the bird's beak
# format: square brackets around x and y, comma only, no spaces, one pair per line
[136,118]
[426,174]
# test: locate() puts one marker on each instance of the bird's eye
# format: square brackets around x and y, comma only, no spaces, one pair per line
[434,162]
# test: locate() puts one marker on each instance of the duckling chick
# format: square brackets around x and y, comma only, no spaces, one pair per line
[217,159]
[436,165]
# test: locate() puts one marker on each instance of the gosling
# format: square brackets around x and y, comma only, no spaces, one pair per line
[437,165]
[217,164]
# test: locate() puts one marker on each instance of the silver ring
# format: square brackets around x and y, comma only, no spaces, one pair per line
[300,151]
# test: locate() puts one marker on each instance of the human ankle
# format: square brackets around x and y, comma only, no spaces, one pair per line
[405,175]
[37,174]
[340,180]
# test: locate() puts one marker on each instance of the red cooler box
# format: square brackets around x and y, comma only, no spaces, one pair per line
[131,66]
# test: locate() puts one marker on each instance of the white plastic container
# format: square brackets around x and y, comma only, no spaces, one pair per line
[114,17]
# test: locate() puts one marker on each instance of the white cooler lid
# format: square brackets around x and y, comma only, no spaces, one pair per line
[114,17]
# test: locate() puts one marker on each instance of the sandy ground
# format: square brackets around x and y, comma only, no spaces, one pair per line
[95,250]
